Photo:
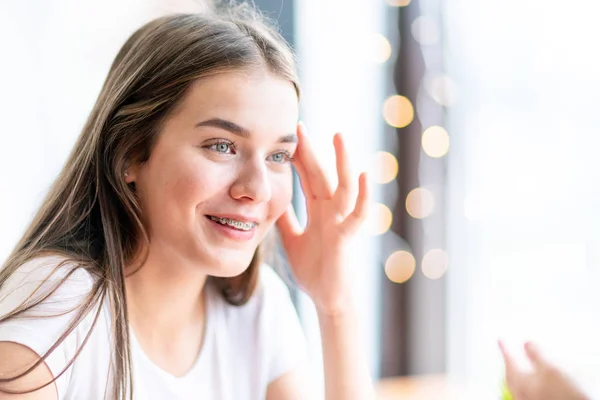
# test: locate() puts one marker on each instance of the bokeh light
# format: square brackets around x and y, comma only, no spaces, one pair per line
[385,167]
[435,263]
[419,203]
[380,49]
[425,30]
[400,266]
[398,111]
[380,219]
[398,3]
[443,90]
[435,141]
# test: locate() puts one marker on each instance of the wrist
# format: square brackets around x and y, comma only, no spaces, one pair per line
[335,308]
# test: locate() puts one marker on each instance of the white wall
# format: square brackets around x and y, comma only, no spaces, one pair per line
[524,185]
[55,57]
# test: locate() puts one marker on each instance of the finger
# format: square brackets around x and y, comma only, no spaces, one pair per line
[535,356]
[509,361]
[303,178]
[289,226]
[359,214]
[315,177]
[345,183]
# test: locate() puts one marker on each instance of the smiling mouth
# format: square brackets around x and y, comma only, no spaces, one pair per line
[242,226]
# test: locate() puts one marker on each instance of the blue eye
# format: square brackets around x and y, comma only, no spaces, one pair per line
[281,157]
[222,147]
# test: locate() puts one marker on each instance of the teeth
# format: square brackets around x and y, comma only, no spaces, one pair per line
[244,226]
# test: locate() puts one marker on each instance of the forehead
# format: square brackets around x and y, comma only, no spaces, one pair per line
[258,101]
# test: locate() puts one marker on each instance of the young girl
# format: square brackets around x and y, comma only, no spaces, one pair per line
[141,277]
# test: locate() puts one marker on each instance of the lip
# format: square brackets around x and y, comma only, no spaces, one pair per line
[230,232]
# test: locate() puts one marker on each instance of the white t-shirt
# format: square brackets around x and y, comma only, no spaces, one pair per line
[245,347]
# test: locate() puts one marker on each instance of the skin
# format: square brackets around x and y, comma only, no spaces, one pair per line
[544,382]
[16,359]
[203,166]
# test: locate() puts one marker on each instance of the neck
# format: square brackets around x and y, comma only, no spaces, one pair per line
[165,295]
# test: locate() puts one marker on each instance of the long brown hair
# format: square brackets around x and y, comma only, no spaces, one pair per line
[90,215]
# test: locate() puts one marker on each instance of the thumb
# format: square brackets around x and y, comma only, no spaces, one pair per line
[288,225]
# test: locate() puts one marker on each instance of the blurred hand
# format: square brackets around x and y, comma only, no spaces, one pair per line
[544,382]
[318,254]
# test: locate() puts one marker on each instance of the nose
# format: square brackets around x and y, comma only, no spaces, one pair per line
[252,182]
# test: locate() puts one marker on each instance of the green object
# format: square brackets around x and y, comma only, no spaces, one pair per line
[506,395]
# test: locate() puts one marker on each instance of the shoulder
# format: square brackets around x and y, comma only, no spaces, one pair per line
[52,281]
[272,295]
[39,305]
[18,357]
[54,267]
[270,283]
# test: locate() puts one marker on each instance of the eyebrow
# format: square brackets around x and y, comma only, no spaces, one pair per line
[240,131]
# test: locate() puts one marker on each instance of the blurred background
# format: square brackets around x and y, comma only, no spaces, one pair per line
[478,122]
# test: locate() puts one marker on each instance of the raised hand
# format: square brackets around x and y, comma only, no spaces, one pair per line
[544,382]
[318,254]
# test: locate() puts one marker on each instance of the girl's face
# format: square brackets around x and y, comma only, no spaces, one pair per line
[220,173]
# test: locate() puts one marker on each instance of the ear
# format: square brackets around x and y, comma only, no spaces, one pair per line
[131,173]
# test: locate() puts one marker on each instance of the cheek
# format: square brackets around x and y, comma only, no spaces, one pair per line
[197,184]
[184,182]
[282,187]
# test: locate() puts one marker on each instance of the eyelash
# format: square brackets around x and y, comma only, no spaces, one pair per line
[288,156]
[218,142]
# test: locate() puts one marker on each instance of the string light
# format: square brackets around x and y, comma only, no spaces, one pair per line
[435,141]
[380,219]
[398,111]
[419,203]
[385,167]
[400,266]
[435,263]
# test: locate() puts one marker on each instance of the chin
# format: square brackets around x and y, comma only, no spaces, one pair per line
[229,267]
